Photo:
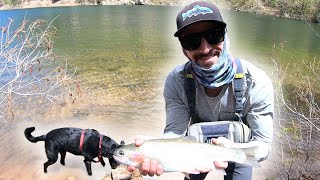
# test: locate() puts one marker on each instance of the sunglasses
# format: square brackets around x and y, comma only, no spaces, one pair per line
[193,41]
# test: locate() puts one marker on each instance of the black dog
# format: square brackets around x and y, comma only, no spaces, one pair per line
[88,143]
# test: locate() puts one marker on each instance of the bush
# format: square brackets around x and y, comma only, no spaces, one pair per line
[12,2]
[305,9]
[27,66]
[297,127]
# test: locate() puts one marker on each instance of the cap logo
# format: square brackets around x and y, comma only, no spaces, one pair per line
[195,11]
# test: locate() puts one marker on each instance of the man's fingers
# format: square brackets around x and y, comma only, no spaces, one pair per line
[145,167]
[214,141]
[150,167]
[139,141]
[131,168]
[221,165]
[159,170]
[153,168]
[138,158]
[222,141]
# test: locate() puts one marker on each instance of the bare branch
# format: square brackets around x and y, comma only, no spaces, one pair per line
[298,123]
[26,65]
[313,30]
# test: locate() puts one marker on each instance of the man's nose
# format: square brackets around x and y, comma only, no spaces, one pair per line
[205,47]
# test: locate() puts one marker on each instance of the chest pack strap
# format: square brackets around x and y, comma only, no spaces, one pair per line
[238,84]
[190,88]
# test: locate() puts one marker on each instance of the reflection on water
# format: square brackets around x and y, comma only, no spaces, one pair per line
[122,55]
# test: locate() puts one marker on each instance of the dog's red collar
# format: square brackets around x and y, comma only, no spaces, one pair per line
[81,139]
[100,148]
[100,144]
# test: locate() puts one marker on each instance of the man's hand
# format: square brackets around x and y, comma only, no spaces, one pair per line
[223,142]
[148,167]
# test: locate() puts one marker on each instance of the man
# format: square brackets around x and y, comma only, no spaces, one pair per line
[203,37]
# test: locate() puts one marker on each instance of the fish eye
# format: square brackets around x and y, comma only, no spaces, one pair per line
[121,152]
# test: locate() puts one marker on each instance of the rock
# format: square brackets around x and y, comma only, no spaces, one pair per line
[107,177]
[121,173]
[140,2]
[71,178]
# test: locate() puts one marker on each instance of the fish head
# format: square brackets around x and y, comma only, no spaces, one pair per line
[128,155]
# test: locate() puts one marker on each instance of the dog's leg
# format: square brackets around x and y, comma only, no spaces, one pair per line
[102,162]
[52,154]
[87,162]
[46,164]
[63,156]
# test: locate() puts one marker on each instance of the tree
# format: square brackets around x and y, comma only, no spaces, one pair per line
[27,66]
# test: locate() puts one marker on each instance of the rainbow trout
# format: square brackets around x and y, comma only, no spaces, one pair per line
[184,154]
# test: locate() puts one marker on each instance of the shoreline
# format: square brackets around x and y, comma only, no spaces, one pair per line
[222,5]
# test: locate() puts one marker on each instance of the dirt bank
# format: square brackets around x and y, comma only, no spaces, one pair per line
[52,3]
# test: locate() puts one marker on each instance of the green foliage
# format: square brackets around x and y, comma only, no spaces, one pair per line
[293,131]
[296,7]
[271,3]
[299,9]
[271,178]
[12,2]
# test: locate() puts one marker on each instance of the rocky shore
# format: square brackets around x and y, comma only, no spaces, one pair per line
[258,9]
[51,3]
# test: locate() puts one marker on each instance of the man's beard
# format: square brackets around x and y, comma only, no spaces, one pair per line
[211,53]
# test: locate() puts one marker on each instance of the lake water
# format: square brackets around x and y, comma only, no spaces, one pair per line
[122,55]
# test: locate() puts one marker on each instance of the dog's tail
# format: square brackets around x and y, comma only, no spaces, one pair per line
[27,134]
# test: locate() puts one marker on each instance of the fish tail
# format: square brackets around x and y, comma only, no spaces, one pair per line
[251,159]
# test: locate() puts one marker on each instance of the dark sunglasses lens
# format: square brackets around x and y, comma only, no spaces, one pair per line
[190,43]
[215,36]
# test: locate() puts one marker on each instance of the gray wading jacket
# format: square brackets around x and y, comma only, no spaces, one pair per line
[257,111]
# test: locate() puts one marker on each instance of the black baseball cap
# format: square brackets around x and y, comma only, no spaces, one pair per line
[195,12]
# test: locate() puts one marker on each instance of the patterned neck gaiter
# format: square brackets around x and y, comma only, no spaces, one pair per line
[220,73]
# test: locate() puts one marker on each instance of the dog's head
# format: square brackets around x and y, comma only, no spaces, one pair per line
[108,147]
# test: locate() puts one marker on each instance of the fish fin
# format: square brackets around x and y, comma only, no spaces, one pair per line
[193,171]
[251,161]
[251,153]
[199,170]
[122,142]
[204,169]
[186,175]
[188,138]
[221,171]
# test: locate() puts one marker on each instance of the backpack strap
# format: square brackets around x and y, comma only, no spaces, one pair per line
[238,84]
[190,89]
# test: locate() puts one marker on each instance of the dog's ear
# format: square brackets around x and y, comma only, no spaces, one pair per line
[122,142]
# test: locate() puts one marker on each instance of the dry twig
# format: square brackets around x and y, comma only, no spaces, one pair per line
[27,65]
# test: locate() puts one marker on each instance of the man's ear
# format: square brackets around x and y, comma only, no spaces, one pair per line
[185,53]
